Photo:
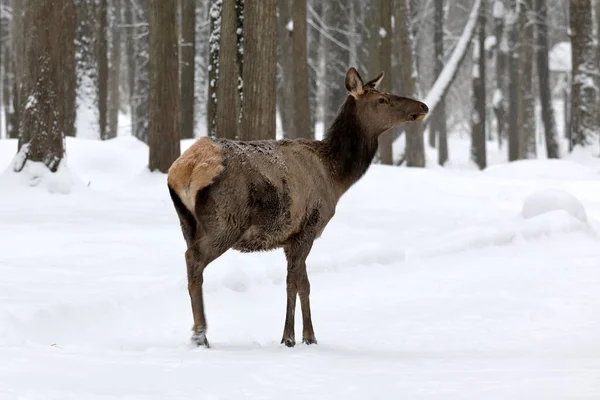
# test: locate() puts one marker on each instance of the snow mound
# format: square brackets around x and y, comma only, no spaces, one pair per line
[542,169]
[549,200]
[37,175]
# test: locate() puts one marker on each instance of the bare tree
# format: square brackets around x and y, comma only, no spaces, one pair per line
[438,123]
[527,126]
[285,87]
[46,44]
[584,92]
[386,155]
[302,115]
[499,97]
[544,80]
[188,63]
[228,97]
[129,17]
[214,13]
[141,83]
[415,148]
[114,77]
[260,61]
[513,79]
[102,57]
[478,152]
[164,85]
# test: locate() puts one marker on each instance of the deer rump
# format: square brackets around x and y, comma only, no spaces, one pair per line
[254,196]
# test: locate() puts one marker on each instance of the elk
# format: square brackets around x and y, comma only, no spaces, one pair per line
[254,196]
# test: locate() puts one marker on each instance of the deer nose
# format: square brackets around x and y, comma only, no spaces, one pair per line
[424,107]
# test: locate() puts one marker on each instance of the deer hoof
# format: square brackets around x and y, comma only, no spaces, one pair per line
[289,342]
[199,339]
[309,340]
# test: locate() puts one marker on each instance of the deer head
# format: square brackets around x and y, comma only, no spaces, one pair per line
[379,111]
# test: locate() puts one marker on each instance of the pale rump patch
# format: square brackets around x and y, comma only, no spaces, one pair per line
[195,169]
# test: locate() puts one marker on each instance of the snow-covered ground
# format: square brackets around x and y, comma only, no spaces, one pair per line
[434,283]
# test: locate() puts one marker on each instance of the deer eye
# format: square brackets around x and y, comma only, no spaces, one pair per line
[382,100]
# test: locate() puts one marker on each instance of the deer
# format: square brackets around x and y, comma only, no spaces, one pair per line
[262,195]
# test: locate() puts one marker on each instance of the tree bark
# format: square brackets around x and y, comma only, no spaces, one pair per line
[260,62]
[46,43]
[513,81]
[415,147]
[478,151]
[285,87]
[17,67]
[164,107]
[336,56]
[214,39]
[114,94]
[584,93]
[499,98]
[552,150]
[301,105]
[188,63]
[527,125]
[130,51]
[141,84]
[438,124]
[386,155]
[228,99]
[102,58]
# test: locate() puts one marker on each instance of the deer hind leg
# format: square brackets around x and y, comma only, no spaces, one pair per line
[297,283]
[198,257]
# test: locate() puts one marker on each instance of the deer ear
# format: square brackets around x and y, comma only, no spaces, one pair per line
[374,83]
[354,83]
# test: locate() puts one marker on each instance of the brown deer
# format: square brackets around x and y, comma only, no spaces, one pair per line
[261,195]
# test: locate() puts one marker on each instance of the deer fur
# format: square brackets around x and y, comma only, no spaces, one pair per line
[262,195]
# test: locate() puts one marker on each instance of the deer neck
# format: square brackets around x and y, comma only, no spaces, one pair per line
[349,147]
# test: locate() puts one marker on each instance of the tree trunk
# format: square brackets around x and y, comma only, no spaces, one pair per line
[415,147]
[188,63]
[228,99]
[46,41]
[513,81]
[301,105]
[336,56]
[285,87]
[141,84]
[17,67]
[102,58]
[438,124]
[69,77]
[386,155]
[130,51]
[114,94]
[214,40]
[544,80]
[527,145]
[164,99]
[499,98]
[584,93]
[478,152]
[260,63]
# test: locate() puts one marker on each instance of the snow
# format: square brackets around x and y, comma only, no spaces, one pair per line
[498,9]
[289,26]
[549,200]
[428,283]
[559,58]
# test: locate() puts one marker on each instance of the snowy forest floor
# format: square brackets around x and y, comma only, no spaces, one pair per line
[428,283]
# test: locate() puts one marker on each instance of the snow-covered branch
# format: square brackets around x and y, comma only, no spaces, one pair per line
[445,79]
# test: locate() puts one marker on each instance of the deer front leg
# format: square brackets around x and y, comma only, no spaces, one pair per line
[308,334]
[297,283]
[292,290]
